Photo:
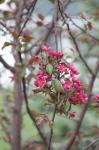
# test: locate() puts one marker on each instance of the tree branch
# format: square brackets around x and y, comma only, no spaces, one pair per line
[91,144]
[85,107]
[51,129]
[6,65]
[5,26]
[28,17]
[81,29]
[73,39]
[30,115]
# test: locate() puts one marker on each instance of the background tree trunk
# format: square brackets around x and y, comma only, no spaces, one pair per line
[17,117]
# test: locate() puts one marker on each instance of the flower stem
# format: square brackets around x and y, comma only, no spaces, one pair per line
[51,129]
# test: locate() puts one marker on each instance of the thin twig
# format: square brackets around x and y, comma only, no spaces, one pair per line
[81,29]
[6,65]
[29,113]
[85,107]
[91,144]
[23,78]
[74,40]
[77,48]
[27,106]
[28,17]
[51,130]
[5,26]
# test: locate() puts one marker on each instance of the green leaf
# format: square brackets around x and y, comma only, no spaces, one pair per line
[57,85]
[65,113]
[49,69]
[18,48]
[6,44]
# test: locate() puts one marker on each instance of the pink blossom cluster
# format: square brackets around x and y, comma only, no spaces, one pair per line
[65,74]
[96,99]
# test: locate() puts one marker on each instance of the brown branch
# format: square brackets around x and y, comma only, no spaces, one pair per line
[27,106]
[81,29]
[24,84]
[28,17]
[91,144]
[85,107]
[6,65]
[5,26]
[30,115]
[51,129]
[77,48]
[73,39]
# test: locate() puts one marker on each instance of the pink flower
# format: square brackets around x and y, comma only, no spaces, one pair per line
[96,97]
[73,71]
[85,98]
[77,83]
[78,97]
[71,66]
[56,54]
[67,84]
[71,114]
[40,79]
[34,60]
[40,82]
[13,78]
[46,49]
[61,67]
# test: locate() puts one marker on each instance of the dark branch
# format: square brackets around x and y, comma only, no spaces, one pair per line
[91,144]
[85,107]
[5,26]
[6,65]
[30,115]
[32,7]
[73,39]
[51,130]
[81,29]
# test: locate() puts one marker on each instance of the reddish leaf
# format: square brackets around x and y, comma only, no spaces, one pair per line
[89,25]
[35,113]
[39,23]
[34,60]
[26,36]
[41,17]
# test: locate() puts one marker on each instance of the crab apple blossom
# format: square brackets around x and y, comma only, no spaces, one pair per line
[73,71]
[67,84]
[59,80]
[13,78]
[56,54]
[96,97]
[71,114]
[46,49]
[61,67]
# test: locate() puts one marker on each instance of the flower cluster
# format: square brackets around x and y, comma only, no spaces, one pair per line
[57,78]
[96,99]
